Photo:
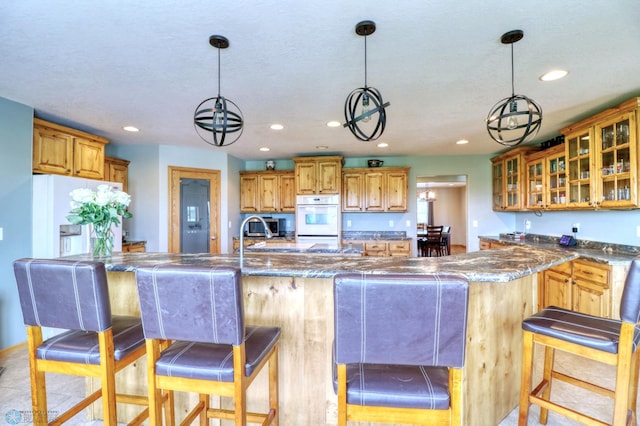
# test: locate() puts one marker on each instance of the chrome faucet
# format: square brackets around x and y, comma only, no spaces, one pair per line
[267,232]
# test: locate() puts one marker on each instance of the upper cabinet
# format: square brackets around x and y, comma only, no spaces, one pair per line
[318,175]
[546,186]
[602,155]
[508,179]
[117,170]
[267,191]
[369,190]
[65,151]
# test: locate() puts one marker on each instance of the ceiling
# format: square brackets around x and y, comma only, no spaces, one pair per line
[99,66]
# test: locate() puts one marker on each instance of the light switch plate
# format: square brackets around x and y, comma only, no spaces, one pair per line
[1,234]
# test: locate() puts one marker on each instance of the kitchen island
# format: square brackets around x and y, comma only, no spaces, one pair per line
[296,294]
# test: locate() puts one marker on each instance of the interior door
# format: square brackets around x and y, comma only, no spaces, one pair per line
[194,210]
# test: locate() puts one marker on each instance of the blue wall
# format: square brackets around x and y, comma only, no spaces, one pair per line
[16,129]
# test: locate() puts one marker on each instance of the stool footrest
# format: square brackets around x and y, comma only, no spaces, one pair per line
[583,384]
[62,418]
[567,412]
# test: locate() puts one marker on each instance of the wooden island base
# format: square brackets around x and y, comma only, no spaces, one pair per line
[303,308]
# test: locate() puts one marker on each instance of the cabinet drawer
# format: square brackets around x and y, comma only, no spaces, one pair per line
[591,271]
[399,246]
[564,268]
[375,246]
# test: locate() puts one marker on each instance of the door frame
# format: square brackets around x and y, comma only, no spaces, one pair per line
[176,173]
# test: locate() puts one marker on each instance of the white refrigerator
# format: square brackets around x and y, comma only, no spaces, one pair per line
[53,235]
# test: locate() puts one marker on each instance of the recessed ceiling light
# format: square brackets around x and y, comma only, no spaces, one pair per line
[383,145]
[322,147]
[333,124]
[277,126]
[553,75]
[131,129]
[462,142]
[265,149]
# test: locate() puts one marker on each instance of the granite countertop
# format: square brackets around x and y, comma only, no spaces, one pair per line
[610,254]
[502,265]
[375,235]
[293,247]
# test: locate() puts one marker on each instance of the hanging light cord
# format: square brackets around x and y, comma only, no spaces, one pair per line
[365,62]
[219,69]
[513,91]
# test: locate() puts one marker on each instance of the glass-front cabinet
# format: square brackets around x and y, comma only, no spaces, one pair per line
[580,168]
[613,164]
[547,179]
[508,179]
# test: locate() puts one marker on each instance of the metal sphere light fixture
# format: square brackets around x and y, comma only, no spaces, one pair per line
[516,118]
[216,119]
[365,103]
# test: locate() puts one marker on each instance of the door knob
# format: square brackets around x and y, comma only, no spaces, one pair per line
[213,238]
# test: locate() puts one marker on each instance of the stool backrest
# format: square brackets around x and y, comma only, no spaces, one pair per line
[191,303]
[434,234]
[63,294]
[630,303]
[400,319]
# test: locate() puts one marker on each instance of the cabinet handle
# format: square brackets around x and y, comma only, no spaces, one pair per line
[566,280]
[587,272]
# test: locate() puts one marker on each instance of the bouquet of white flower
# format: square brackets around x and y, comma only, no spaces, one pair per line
[101,208]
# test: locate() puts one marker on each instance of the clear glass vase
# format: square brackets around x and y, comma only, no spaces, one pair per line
[102,240]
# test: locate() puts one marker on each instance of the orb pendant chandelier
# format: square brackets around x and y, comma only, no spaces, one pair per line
[216,119]
[365,103]
[516,118]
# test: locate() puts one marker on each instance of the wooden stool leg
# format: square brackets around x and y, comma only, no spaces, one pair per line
[525,385]
[623,378]
[273,385]
[633,393]
[38,380]
[108,379]
[549,355]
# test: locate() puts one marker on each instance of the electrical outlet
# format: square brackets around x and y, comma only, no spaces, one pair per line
[2,234]
[348,223]
[575,228]
[408,224]
[527,225]
[391,224]
[637,231]
[474,223]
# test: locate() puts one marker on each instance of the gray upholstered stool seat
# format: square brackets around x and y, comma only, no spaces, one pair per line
[598,333]
[82,347]
[209,361]
[404,386]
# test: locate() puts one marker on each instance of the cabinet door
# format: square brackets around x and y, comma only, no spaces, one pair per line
[556,181]
[535,184]
[497,185]
[396,191]
[117,173]
[249,193]
[352,192]
[399,248]
[513,192]
[375,249]
[306,178]
[88,158]
[287,192]
[373,192]
[329,174]
[616,142]
[579,149]
[52,152]
[268,193]
[590,297]
[557,289]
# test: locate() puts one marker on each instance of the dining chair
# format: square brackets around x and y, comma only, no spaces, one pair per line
[74,295]
[609,341]
[399,347]
[197,341]
[433,241]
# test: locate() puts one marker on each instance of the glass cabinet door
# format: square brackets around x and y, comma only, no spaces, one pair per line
[557,181]
[579,169]
[513,190]
[497,185]
[617,152]
[535,184]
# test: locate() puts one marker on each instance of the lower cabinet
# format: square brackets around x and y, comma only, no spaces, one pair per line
[580,285]
[486,244]
[382,248]
[134,247]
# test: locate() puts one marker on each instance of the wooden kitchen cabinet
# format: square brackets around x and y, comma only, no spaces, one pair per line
[384,248]
[267,191]
[546,186]
[134,247]
[508,179]
[117,170]
[65,151]
[602,155]
[375,189]
[318,175]
[580,285]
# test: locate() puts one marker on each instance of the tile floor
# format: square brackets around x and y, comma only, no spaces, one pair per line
[63,391]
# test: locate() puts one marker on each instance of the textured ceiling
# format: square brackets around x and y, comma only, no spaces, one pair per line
[101,65]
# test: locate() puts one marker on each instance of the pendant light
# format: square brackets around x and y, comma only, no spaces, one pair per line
[516,118]
[217,118]
[365,103]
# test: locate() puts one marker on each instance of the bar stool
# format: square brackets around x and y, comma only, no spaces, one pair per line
[613,342]
[74,296]
[197,313]
[399,347]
